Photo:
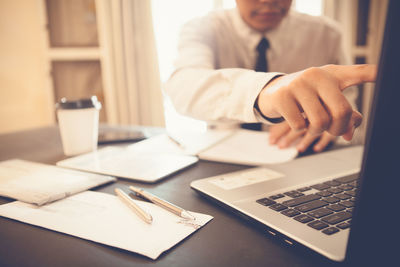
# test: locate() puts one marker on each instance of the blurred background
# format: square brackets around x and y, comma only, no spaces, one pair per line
[122,51]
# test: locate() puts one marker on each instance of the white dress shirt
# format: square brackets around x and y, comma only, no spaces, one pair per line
[213,78]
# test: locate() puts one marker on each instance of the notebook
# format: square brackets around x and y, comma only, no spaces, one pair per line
[342,204]
[236,146]
[38,183]
[130,164]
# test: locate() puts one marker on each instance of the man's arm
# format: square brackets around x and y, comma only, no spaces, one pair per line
[217,95]
[199,90]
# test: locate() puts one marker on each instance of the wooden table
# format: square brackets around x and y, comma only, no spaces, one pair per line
[227,240]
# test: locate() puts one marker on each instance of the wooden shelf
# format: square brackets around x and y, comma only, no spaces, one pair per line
[74,54]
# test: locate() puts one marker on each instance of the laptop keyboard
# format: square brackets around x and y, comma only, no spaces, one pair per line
[326,207]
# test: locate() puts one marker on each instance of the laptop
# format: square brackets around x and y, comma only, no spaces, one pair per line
[342,203]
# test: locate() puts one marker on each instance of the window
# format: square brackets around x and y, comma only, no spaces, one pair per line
[311,7]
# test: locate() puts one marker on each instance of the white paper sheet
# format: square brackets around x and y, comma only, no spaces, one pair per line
[188,143]
[237,146]
[130,164]
[38,183]
[249,148]
[105,219]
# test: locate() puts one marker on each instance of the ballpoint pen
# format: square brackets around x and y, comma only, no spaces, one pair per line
[162,203]
[176,142]
[132,205]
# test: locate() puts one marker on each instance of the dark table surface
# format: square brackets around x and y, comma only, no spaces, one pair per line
[227,240]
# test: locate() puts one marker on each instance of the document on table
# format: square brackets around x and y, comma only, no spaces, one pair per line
[137,165]
[188,143]
[249,148]
[39,183]
[235,146]
[104,219]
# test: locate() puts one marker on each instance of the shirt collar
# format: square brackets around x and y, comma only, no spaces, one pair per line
[253,37]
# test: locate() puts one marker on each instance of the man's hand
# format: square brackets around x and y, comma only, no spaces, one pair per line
[312,99]
[282,135]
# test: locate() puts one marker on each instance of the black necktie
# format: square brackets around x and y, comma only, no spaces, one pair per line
[261,64]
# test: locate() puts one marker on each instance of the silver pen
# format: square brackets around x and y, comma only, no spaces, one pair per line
[132,205]
[162,203]
[176,142]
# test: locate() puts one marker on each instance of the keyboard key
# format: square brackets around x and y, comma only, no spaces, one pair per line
[331,200]
[337,217]
[350,210]
[290,212]
[351,193]
[300,200]
[318,225]
[330,230]
[346,187]
[354,183]
[324,193]
[320,187]
[278,207]
[277,196]
[315,204]
[335,190]
[303,189]
[303,218]
[343,225]
[265,201]
[336,207]
[294,194]
[332,183]
[342,196]
[347,203]
[320,213]
[346,179]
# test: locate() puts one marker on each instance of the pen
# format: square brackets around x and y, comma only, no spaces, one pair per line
[176,142]
[131,204]
[162,203]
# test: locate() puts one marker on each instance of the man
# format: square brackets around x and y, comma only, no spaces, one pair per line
[214,78]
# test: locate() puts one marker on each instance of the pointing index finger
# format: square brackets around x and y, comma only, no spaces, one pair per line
[349,75]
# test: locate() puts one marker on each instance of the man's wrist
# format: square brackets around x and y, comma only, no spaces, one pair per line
[262,117]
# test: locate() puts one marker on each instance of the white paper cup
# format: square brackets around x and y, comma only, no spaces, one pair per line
[79,125]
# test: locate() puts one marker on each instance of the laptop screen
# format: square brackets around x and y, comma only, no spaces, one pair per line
[374,233]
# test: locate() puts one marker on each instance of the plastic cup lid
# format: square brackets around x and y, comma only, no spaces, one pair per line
[91,102]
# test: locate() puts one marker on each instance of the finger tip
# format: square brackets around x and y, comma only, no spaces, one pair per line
[300,148]
[317,149]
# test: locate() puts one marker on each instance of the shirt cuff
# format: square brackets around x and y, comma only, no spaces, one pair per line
[258,114]
[263,119]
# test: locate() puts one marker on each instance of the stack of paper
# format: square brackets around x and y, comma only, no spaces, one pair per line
[103,218]
[237,146]
[40,183]
[249,148]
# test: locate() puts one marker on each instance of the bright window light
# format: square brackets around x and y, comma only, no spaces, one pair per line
[168,19]
[311,7]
